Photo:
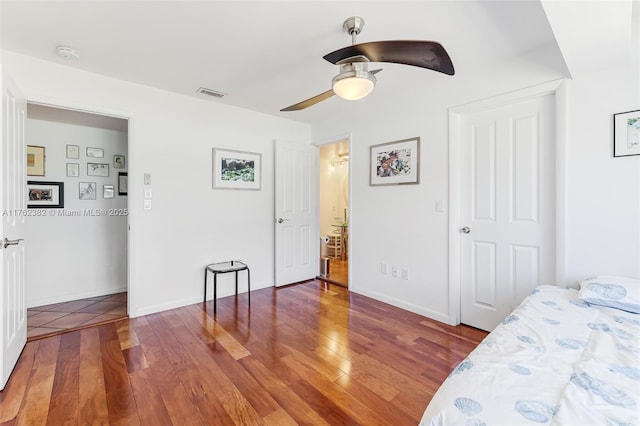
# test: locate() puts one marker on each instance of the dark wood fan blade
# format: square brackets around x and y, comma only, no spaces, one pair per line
[424,54]
[310,102]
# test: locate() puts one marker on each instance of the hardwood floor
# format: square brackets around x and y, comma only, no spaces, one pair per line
[312,353]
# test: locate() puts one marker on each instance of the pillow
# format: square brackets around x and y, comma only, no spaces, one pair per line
[614,292]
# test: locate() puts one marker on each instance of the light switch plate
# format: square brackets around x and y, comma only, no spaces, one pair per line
[147,205]
[147,178]
[148,193]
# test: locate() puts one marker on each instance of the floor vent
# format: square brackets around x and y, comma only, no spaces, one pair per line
[210,92]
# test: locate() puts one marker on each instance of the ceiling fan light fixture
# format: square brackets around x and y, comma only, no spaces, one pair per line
[353,84]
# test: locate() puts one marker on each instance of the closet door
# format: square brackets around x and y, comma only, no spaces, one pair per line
[507,207]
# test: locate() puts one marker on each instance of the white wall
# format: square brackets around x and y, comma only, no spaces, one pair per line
[72,257]
[171,136]
[603,192]
[398,225]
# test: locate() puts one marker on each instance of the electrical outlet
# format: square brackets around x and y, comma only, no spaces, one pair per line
[405,274]
[383,268]
[394,271]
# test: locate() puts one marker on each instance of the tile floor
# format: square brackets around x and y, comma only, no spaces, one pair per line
[60,317]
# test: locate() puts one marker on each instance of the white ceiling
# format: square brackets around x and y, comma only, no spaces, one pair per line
[266,55]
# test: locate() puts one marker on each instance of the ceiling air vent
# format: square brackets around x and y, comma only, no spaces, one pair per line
[210,92]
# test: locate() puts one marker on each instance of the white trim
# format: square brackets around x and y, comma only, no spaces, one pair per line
[411,307]
[169,305]
[557,88]
[132,301]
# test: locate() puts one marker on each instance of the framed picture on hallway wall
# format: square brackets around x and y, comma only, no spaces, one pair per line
[626,133]
[35,160]
[123,183]
[108,191]
[395,163]
[87,191]
[73,151]
[118,161]
[236,169]
[73,169]
[95,152]
[97,169]
[45,195]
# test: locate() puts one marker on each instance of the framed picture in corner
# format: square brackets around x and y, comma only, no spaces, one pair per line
[626,133]
[123,183]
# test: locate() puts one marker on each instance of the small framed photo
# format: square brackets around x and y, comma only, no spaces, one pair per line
[73,169]
[108,191]
[236,169]
[87,190]
[45,195]
[118,161]
[95,152]
[395,163]
[73,151]
[97,169]
[35,160]
[122,183]
[626,133]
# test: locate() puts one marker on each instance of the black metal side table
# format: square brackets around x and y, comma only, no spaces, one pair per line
[224,268]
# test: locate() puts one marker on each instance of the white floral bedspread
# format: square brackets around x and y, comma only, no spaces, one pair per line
[555,360]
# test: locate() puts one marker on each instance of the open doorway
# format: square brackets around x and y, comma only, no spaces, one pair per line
[334,212]
[76,231]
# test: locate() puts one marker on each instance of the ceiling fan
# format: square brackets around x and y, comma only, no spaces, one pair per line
[355,81]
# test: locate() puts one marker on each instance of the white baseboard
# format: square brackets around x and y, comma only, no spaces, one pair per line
[60,298]
[147,310]
[434,315]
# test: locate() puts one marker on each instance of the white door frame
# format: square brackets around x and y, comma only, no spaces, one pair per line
[557,88]
[329,141]
[132,305]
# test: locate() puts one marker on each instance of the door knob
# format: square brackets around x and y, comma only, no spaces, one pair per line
[465,230]
[8,243]
[280,220]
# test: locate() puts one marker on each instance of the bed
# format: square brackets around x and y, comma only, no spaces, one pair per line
[560,358]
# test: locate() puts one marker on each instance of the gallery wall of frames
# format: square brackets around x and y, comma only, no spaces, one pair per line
[76,211]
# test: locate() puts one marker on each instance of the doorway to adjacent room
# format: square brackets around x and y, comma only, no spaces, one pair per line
[334,212]
[80,246]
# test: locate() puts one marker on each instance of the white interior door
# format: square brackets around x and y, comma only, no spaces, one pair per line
[13,200]
[507,206]
[296,233]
